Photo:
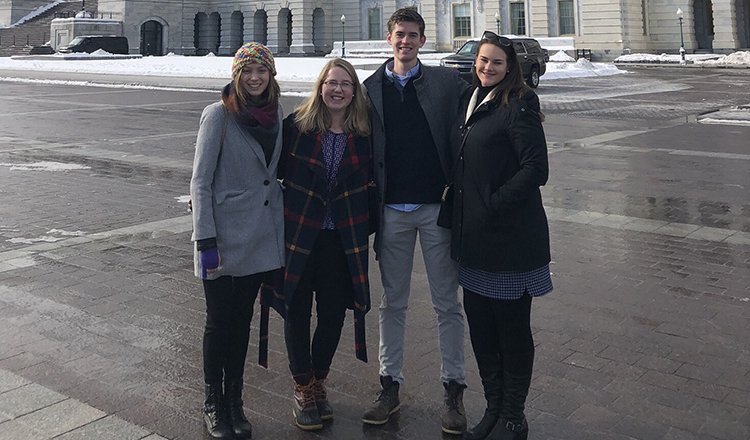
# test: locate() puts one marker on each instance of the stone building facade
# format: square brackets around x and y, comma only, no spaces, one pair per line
[308,27]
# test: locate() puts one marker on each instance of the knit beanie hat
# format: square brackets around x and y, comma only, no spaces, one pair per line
[253,53]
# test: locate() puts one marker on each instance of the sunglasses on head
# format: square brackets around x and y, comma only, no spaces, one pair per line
[495,38]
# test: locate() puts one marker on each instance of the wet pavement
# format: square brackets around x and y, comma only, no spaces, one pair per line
[644,337]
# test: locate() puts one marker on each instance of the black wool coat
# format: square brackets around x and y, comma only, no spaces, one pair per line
[499,223]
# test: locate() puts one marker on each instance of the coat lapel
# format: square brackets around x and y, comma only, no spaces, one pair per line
[375,92]
[277,146]
[309,151]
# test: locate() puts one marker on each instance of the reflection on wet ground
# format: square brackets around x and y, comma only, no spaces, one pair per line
[644,336]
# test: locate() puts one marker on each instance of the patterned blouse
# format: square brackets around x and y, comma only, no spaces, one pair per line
[506,285]
[334,145]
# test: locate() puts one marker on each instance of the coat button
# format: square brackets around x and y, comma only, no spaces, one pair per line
[265,203]
[266,182]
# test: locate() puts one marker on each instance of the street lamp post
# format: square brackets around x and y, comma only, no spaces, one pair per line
[497,21]
[682,40]
[343,43]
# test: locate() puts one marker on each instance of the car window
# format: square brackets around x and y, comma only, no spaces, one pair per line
[518,46]
[470,48]
[532,46]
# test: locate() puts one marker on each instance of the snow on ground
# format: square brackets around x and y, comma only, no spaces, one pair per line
[736,58]
[289,69]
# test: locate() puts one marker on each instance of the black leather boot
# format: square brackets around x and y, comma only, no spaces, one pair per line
[491,373]
[214,413]
[517,369]
[241,427]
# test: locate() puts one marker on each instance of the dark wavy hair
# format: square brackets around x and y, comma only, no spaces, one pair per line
[512,84]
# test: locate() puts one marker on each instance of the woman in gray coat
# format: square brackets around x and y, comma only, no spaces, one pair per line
[237,225]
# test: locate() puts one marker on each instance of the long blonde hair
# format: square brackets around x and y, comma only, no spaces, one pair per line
[312,114]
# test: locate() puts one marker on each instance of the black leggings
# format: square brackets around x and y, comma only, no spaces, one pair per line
[229,310]
[499,327]
[327,275]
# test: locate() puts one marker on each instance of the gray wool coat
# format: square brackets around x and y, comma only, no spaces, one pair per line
[236,197]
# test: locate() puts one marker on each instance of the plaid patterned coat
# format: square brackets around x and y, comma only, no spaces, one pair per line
[303,171]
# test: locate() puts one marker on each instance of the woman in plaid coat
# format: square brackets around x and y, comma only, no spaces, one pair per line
[326,171]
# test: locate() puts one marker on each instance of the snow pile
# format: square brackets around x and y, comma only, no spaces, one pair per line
[562,57]
[585,64]
[736,58]
[100,52]
[579,69]
[646,58]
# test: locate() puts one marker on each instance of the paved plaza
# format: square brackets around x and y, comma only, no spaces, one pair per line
[644,337]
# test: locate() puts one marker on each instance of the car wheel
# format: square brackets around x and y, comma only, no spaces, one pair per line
[533,78]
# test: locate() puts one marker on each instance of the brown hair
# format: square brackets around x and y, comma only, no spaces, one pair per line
[312,114]
[238,99]
[512,84]
[409,15]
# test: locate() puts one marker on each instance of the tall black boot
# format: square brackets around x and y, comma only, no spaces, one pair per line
[491,372]
[241,427]
[517,369]
[214,413]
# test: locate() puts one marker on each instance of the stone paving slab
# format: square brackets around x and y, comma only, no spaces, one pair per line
[645,335]
[31,411]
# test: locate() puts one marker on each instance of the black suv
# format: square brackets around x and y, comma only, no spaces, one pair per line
[532,57]
[92,43]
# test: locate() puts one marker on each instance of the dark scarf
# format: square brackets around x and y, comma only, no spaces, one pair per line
[250,115]
[261,121]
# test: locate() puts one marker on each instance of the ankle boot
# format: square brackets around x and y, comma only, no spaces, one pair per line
[517,369]
[507,430]
[306,415]
[490,371]
[214,414]
[321,399]
[453,420]
[241,427]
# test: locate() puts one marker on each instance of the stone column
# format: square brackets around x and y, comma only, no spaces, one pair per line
[725,25]
[273,29]
[187,45]
[302,25]
[225,39]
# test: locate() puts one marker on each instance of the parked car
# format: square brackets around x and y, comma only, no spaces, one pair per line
[92,43]
[531,56]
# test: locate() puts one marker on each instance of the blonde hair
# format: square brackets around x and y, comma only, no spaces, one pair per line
[312,114]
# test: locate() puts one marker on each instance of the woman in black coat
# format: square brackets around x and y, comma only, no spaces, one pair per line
[499,231]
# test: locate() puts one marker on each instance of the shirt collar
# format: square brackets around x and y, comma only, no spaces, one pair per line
[401,80]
